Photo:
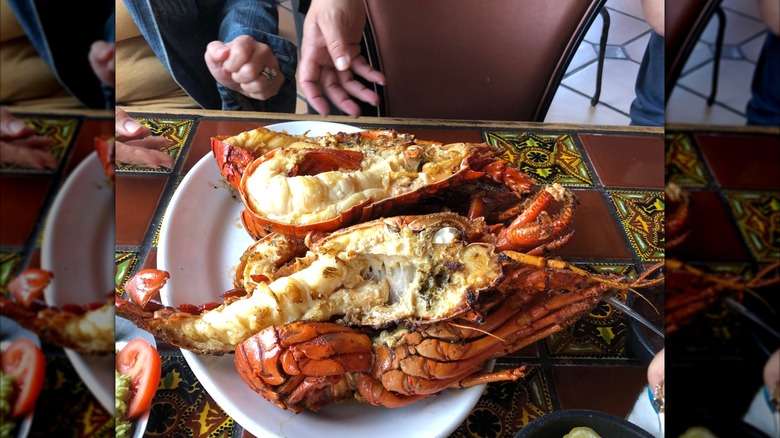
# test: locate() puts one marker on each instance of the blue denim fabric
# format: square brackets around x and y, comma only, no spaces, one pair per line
[64,45]
[764,105]
[647,109]
[178,32]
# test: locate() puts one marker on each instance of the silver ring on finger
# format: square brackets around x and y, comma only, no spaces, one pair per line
[269,73]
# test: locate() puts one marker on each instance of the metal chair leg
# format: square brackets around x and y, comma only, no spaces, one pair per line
[602,53]
[718,47]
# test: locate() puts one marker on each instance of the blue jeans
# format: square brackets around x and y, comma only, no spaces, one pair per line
[178,32]
[764,105]
[62,34]
[647,109]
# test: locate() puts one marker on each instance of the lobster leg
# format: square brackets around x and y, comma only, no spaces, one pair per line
[532,230]
[303,365]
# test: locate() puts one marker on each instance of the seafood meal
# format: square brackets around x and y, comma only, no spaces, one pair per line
[384,269]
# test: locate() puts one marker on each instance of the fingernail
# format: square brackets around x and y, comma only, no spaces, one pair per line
[132,126]
[342,63]
[16,126]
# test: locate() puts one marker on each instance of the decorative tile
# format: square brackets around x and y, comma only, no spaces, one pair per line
[141,194]
[644,169]
[732,168]
[716,331]
[175,130]
[126,262]
[595,217]
[68,405]
[642,216]
[599,334]
[9,262]
[547,158]
[23,198]
[158,228]
[611,389]
[714,235]
[182,407]
[505,407]
[683,165]
[59,130]
[758,218]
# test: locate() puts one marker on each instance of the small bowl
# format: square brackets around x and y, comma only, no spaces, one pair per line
[558,423]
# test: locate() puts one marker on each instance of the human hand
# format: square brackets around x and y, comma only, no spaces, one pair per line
[772,374]
[19,145]
[246,66]
[101,58]
[655,373]
[330,55]
[135,146]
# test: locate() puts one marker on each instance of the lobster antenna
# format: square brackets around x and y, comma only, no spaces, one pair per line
[484,332]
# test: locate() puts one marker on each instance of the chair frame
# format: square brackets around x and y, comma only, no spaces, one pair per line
[577,38]
[676,62]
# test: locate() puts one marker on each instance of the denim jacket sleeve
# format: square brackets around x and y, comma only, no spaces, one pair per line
[260,20]
[178,32]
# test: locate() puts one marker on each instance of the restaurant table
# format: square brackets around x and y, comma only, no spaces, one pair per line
[26,198]
[617,173]
[715,363]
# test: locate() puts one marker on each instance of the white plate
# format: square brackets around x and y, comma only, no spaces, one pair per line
[201,240]
[78,247]
[10,331]
[126,331]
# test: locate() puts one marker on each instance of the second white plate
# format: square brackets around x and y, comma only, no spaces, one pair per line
[78,247]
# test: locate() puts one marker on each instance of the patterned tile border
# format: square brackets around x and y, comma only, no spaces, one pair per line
[182,407]
[683,166]
[9,263]
[126,262]
[601,334]
[505,407]
[547,158]
[62,131]
[175,130]
[642,216]
[758,218]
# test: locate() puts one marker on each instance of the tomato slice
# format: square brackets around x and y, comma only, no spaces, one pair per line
[29,285]
[23,360]
[141,362]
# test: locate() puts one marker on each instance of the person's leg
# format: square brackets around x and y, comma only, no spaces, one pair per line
[647,109]
[764,105]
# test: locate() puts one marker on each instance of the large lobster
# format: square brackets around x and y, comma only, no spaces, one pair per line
[394,309]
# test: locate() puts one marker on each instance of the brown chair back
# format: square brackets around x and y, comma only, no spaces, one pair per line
[684,23]
[467,59]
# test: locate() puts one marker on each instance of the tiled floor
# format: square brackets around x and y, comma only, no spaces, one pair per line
[628,35]
[742,42]
[626,43]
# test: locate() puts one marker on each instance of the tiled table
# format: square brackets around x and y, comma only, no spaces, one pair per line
[617,174]
[27,195]
[733,176]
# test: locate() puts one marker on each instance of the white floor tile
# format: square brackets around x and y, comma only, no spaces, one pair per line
[738,29]
[686,107]
[636,49]
[570,107]
[618,81]
[734,81]
[751,50]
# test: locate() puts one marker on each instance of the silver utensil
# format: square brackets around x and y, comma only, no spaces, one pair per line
[742,310]
[633,314]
